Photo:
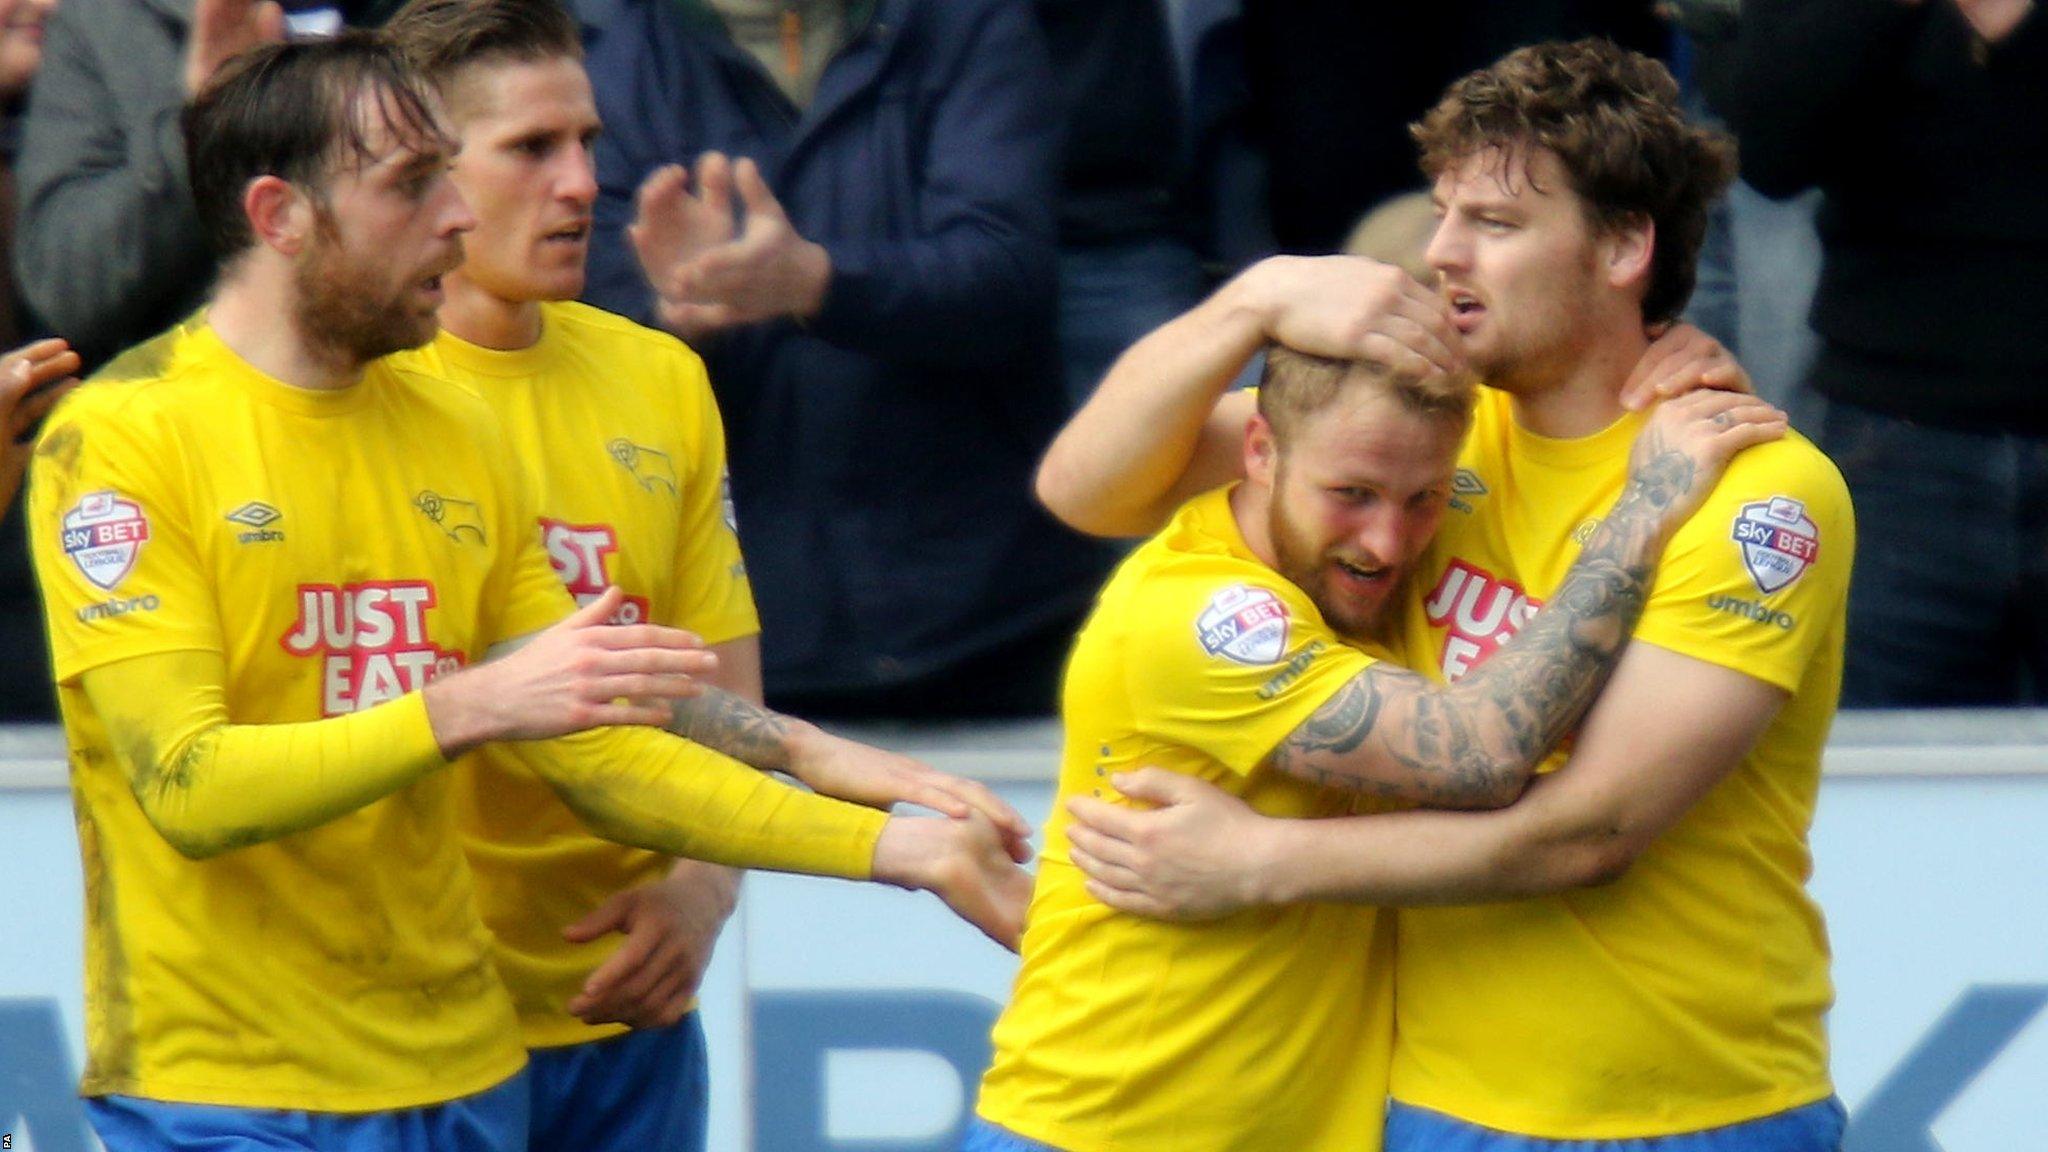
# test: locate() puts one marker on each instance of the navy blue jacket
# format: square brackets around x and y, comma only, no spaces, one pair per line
[881,455]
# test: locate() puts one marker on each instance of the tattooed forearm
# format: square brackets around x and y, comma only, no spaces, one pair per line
[742,730]
[1475,743]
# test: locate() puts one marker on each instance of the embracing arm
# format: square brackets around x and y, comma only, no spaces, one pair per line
[1666,731]
[1474,743]
[1161,429]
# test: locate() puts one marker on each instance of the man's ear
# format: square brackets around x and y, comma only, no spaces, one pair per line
[1627,252]
[1261,451]
[279,213]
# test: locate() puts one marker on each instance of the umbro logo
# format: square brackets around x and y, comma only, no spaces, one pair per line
[1466,484]
[257,516]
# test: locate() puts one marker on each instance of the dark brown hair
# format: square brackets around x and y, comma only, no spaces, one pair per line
[298,111]
[1612,119]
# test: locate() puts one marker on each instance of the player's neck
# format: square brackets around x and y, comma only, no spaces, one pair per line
[487,320]
[1581,394]
[245,315]
[1251,506]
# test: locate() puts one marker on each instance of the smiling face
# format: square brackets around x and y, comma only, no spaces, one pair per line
[387,227]
[1357,490]
[526,170]
[1520,264]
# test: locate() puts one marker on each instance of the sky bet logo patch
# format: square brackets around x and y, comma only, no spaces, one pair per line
[1245,624]
[1778,541]
[103,534]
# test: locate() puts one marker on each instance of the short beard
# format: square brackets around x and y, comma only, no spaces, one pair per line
[1302,565]
[338,312]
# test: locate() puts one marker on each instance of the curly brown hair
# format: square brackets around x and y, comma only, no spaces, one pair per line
[1612,119]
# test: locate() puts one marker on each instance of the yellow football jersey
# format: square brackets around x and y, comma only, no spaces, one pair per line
[337,549]
[1265,1030]
[1690,994]
[620,437]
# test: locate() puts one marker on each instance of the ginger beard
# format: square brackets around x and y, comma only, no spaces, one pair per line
[352,305]
[1351,587]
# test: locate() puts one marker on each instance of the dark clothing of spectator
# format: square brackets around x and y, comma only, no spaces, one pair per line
[108,248]
[1121,167]
[1931,150]
[1334,85]
[881,453]
[1127,260]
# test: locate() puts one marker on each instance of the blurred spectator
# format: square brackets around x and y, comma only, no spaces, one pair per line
[109,251]
[1397,232]
[31,380]
[1761,259]
[1922,123]
[880,330]
[21,53]
[1334,84]
[1126,263]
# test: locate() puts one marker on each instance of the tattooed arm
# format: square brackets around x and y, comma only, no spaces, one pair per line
[835,766]
[1393,733]
[1200,853]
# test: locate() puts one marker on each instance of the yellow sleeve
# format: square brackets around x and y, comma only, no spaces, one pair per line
[1754,581]
[713,597]
[114,553]
[647,788]
[1230,663]
[208,785]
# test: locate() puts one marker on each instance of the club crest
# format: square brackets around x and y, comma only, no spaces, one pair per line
[1245,624]
[103,535]
[1778,540]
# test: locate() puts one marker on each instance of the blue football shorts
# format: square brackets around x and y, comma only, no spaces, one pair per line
[1816,1127]
[648,1090]
[493,1120]
[983,1136]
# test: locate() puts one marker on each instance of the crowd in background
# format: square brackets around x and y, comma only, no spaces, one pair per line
[952,215]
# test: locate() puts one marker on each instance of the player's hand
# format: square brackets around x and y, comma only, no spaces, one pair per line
[33,378]
[581,673]
[962,862]
[670,928]
[677,218]
[878,778]
[1348,307]
[222,29]
[766,272]
[1192,855]
[1687,443]
[1683,359]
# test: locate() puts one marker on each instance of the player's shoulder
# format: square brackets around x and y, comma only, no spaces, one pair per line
[573,319]
[165,377]
[1167,586]
[1792,469]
